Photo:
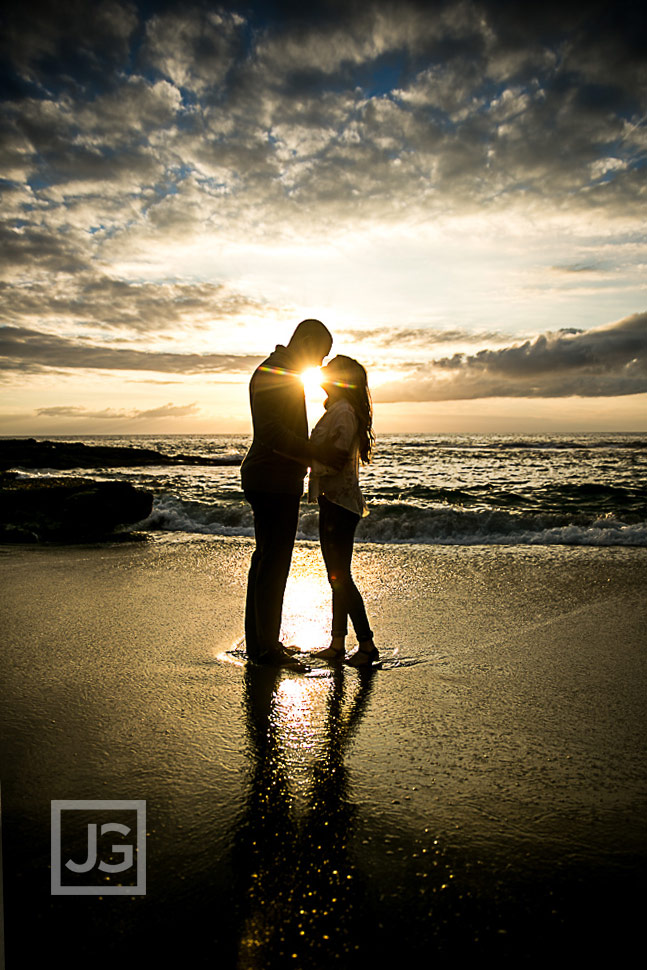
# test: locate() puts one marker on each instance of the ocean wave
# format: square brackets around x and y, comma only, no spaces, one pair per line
[171,514]
[568,444]
[590,497]
[452,526]
[400,523]
[476,442]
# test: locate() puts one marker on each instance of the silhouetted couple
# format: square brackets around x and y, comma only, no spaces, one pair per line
[272,474]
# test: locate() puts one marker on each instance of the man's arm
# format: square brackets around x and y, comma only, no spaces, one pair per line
[272,396]
[326,453]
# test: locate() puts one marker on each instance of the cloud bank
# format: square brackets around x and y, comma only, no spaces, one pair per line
[23,350]
[111,414]
[604,362]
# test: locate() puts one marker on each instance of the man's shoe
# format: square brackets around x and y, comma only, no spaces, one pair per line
[279,657]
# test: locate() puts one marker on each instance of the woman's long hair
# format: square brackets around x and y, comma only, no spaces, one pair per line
[350,377]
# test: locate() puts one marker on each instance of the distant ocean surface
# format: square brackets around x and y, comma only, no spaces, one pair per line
[587,489]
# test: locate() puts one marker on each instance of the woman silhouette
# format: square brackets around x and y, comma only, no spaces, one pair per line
[348,425]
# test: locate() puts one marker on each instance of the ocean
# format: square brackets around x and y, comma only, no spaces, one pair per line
[461,489]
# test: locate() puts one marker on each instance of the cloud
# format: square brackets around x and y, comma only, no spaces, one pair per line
[68,43]
[423,336]
[130,112]
[24,350]
[194,47]
[92,300]
[29,249]
[575,268]
[607,361]
[73,411]
[243,121]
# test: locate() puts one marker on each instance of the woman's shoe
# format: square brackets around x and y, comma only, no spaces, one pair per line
[365,655]
[332,652]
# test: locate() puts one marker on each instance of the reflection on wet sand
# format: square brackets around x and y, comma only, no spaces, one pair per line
[301,891]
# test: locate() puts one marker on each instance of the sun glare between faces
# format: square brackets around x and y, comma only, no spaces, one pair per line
[311,378]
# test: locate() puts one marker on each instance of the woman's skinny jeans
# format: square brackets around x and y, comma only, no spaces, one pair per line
[336,532]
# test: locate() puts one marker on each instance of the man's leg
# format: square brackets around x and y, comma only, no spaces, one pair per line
[276,517]
[252,645]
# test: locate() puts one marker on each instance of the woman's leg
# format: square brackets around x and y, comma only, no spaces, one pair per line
[337,531]
[339,623]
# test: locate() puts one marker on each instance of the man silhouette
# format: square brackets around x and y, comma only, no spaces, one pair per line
[272,476]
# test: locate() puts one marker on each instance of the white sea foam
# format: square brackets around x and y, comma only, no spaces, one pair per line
[170,514]
[410,524]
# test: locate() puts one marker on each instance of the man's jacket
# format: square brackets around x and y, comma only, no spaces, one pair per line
[277,460]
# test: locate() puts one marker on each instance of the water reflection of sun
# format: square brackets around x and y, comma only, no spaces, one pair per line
[294,702]
[307,605]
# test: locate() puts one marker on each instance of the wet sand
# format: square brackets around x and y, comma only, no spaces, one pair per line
[482,793]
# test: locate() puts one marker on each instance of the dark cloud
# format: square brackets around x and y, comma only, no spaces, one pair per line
[32,248]
[194,47]
[327,104]
[607,361]
[575,268]
[68,44]
[93,300]
[24,350]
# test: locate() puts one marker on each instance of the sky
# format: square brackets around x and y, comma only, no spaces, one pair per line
[457,190]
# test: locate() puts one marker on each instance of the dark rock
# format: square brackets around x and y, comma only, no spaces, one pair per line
[30,453]
[14,533]
[69,510]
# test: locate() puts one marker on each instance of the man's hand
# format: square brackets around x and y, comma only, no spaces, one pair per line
[329,455]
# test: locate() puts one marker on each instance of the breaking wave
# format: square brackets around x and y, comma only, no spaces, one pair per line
[402,522]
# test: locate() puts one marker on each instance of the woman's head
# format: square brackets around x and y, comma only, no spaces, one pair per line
[345,378]
[344,373]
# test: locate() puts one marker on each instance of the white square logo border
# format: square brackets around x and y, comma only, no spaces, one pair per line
[102,804]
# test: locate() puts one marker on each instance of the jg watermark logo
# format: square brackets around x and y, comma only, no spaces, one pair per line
[98,848]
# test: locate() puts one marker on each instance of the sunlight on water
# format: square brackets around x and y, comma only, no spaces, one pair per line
[299,722]
[293,709]
[307,606]
[299,875]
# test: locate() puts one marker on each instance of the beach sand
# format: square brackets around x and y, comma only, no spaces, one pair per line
[483,793]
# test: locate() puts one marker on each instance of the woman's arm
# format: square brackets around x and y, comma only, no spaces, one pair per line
[333,439]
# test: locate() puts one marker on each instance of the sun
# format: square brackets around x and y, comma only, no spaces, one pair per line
[311,378]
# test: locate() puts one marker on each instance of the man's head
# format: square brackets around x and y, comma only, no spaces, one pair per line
[310,343]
